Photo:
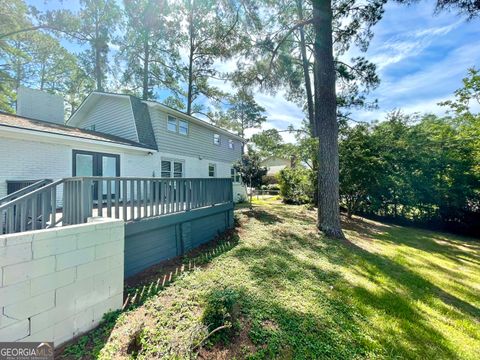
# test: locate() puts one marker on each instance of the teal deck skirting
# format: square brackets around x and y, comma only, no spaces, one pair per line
[152,240]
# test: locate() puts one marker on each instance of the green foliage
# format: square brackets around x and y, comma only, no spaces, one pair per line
[386,294]
[269,180]
[243,113]
[296,185]
[147,48]
[250,169]
[416,169]
[221,310]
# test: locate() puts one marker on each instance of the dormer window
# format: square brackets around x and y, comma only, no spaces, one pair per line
[177,126]
[216,139]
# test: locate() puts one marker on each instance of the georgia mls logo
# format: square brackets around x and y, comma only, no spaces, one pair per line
[26,351]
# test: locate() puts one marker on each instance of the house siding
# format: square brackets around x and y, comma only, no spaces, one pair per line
[28,159]
[198,142]
[111,115]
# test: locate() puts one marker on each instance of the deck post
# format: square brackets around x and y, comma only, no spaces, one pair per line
[85,203]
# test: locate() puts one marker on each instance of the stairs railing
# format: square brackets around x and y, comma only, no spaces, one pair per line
[24,190]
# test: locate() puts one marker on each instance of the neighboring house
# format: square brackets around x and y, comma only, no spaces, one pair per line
[111,135]
[275,164]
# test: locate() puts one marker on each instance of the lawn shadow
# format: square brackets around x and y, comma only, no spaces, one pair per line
[262,216]
[274,268]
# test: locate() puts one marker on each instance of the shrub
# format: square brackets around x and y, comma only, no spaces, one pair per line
[296,186]
[221,309]
[269,180]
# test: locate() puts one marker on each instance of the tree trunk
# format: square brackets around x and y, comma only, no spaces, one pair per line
[326,121]
[146,60]
[98,69]
[306,72]
[190,60]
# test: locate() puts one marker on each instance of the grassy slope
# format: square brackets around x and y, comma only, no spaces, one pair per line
[391,292]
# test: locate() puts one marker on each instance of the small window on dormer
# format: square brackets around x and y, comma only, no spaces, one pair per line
[172,124]
[216,139]
[230,144]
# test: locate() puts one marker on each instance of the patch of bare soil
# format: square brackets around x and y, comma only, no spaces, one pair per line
[238,348]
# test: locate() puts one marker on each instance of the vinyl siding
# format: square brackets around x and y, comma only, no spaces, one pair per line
[111,115]
[198,142]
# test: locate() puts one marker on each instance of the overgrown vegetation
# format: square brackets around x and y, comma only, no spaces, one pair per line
[389,292]
[296,185]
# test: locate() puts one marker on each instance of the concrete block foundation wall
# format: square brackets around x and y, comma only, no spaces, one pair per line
[58,283]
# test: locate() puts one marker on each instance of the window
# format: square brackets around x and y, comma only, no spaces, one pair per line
[212,170]
[234,175]
[176,165]
[177,169]
[166,168]
[177,126]
[230,144]
[172,124]
[216,139]
[183,127]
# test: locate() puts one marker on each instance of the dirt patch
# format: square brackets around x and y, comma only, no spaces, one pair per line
[270,325]
[238,348]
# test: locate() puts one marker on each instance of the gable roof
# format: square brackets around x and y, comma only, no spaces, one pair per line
[20,122]
[141,119]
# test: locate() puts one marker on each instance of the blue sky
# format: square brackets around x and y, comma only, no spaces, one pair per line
[421,59]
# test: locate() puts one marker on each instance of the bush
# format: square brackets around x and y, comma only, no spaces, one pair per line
[221,309]
[296,186]
[269,180]
[271,187]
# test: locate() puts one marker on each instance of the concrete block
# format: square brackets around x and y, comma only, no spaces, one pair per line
[108,249]
[31,306]
[115,280]
[53,246]
[69,294]
[111,304]
[92,268]
[17,239]
[14,293]
[51,317]
[117,233]
[5,320]
[93,238]
[116,261]
[16,331]
[43,335]
[28,270]
[3,240]
[71,327]
[75,258]
[15,254]
[52,281]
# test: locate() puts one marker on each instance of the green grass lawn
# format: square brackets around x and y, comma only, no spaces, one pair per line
[389,292]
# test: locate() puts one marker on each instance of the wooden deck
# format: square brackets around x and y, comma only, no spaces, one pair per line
[129,199]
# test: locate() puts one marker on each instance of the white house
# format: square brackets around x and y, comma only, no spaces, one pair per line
[276,164]
[110,135]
